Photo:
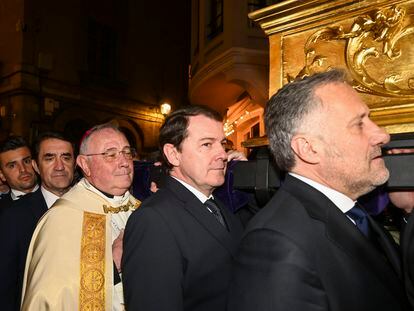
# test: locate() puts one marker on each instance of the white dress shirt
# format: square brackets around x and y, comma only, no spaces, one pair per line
[201,196]
[16,194]
[339,199]
[50,197]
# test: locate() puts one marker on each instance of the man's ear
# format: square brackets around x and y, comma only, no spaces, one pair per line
[83,163]
[305,148]
[172,154]
[2,177]
[35,167]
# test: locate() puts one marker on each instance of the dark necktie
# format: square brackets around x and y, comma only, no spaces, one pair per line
[360,217]
[215,210]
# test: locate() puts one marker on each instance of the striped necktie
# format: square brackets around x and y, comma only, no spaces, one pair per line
[215,210]
[360,217]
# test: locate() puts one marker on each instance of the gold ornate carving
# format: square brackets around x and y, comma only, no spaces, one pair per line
[123,208]
[378,52]
[92,263]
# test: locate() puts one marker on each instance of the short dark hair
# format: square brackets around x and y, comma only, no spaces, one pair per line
[49,135]
[286,110]
[13,143]
[174,130]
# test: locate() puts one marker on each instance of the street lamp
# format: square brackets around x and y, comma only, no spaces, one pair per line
[165,108]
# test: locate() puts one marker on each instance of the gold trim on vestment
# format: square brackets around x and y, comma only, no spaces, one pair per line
[92,263]
[123,208]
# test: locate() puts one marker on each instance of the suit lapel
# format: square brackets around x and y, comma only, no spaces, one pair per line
[37,204]
[343,233]
[388,245]
[194,207]
[407,246]
[233,223]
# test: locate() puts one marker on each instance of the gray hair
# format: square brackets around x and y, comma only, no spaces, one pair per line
[83,149]
[286,110]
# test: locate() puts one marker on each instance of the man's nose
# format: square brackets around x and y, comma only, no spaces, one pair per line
[123,160]
[59,165]
[379,135]
[221,153]
[22,168]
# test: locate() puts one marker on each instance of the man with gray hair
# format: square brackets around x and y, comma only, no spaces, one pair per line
[313,247]
[73,262]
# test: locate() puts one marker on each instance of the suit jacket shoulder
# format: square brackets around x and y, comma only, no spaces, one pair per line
[302,245]
[177,256]
[407,246]
[5,201]
[17,224]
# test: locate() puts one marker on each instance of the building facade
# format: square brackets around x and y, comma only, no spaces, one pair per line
[68,65]
[230,64]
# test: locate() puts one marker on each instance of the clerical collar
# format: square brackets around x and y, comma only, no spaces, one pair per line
[109,196]
[113,199]
[16,194]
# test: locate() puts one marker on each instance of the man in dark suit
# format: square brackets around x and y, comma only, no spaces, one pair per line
[311,247]
[179,246]
[407,246]
[405,201]
[54,162]
[16,170]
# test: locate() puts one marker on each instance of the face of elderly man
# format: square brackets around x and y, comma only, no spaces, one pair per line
[349,141]
[108,163]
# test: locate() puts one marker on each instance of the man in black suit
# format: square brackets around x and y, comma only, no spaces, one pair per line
[405,201]
[308,249]
[407,247]
[16,170]
[179,246]
[54,162]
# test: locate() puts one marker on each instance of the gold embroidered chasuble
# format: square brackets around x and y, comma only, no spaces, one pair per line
[69,264]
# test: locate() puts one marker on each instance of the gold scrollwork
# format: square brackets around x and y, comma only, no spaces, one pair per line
[123,208]
[373,48]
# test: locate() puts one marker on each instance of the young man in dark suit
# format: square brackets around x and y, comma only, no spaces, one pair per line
[54,162]
[312,247]
[16,170]
[179,246]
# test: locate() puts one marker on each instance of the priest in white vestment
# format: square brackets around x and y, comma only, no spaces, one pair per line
[74,257]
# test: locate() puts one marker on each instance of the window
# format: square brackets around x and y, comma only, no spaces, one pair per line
[196,15]
[255,131]
[246,137]
[214,10]
[102,50]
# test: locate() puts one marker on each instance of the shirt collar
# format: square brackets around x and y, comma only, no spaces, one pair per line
[341,201]
[50,197]
[201,196]
[16,194]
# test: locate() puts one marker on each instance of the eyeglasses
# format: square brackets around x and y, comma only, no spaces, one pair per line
[113,154]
